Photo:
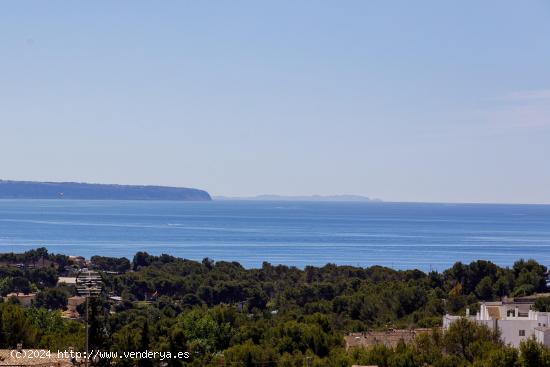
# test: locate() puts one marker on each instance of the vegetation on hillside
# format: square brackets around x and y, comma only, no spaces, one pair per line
[274,315]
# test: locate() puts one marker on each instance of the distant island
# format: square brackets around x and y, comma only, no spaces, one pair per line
[88,191]
[347,198]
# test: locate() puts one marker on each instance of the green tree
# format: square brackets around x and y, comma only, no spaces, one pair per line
[20,284]
[16,326]
[51,298]
[251,355]
[144,345]
[484,289]
[502,357]
[463,335]
[542,304]
[533,354]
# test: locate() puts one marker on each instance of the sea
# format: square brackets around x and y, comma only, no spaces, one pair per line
[398,235]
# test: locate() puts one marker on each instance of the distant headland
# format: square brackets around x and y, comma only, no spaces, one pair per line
[338,198]
[89,191]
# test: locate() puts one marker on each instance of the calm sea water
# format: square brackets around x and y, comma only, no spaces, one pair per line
[399,235]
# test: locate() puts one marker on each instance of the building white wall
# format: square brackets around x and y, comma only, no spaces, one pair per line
[542,335]
[510,330]
[513,330]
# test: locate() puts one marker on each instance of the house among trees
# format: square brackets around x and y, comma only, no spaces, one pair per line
[79,261]
[72,303]
[389,338]
[515,320]
[24,299]
[33,357]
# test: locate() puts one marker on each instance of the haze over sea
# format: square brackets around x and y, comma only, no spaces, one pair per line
[399,235]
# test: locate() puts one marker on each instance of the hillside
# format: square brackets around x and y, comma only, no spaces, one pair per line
[87,191]
[274,316]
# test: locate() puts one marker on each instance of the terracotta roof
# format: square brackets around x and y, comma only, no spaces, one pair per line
[494,312]
[389,338]
[21,295]
[32,357]
[69,314]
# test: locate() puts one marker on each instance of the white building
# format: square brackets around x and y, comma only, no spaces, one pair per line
[515,321]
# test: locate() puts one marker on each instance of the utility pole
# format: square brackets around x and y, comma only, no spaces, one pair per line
[87,330]
[88,284]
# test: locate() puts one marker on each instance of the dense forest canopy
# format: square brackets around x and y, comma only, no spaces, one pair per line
[271,316]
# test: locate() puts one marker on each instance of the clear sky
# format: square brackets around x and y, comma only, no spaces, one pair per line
[407,101]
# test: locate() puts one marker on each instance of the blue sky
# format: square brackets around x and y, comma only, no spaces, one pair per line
[408,101]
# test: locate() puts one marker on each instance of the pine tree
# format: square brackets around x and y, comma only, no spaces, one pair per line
[144,345]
